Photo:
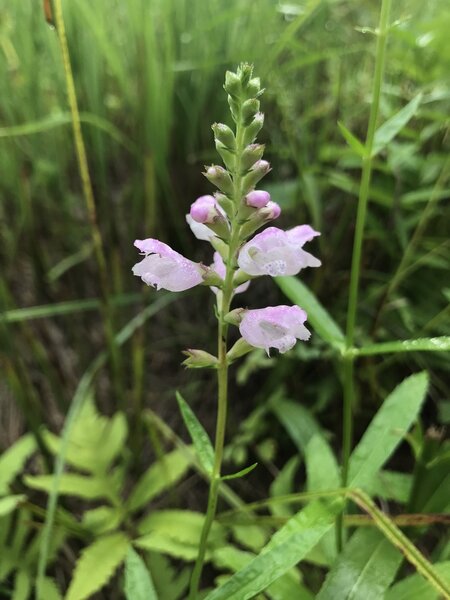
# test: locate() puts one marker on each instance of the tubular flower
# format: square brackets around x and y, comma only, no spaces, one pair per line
[276,252]
[274,327]
[164,268]
[205,210]
[219,267]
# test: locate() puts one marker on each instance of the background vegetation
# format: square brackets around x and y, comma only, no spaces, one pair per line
[148,78]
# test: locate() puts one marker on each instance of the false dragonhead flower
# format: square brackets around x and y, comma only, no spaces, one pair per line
[164,268]
[276,252]
[274,327]
[220,269]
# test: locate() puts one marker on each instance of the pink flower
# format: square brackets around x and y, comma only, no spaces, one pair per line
[201,231]
[276,252]
[204,210]
[219,267]
[164,268]
[274,327]
[257,198]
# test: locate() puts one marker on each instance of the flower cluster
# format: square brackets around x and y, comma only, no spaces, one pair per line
[228,220]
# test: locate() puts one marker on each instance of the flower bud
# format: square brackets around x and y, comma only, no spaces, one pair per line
[240,348]
[228,157]
[198,359]
[257,172]
[225,203]
[224,134]
[220,178]
[271,211]
[257,198]
[245,72]
[235,316]
[253,87]
[250,156]
[204,210]
[232,84]
[252,130]
[249,110]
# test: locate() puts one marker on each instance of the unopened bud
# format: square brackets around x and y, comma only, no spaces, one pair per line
[228,157]
[257,172]
[249,110]
[245,72]
[232,84]
[253,87]
[251,154]
[252,130]
[271,211]
[257,198]
[204,209]
[224,134]
[240,348]
[199,359]
[220,178]
[234,317]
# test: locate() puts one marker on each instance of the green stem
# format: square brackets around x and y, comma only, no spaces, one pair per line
[348,382]
[223,305]
[107,309]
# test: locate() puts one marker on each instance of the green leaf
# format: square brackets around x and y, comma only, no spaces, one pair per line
[200,438]
[49,590]
[389,129]
[286,548]
[10,503]
[365,569]
[90,488]
[22,586]
[415,587]
[158,478]
[138,581]
[96,565]
[387,429]
[284,484]
[13,460]
[436,344]
[180,525]
[170,581]
[352,140]
[296,419]
[319,318]
[252,537]
[321,466]
[240,473]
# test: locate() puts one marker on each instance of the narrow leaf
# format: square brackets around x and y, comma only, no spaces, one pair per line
[90,488]
[319,318]
[138,581]
[387,429]
[297,421]
[200,438]
[22,586]
[9,503]
[96,565]
[437,344]
[13,460]
[365,569]
[286,548]
[415,587]
[240,473]
[321,466]
[352,140]
[395,124]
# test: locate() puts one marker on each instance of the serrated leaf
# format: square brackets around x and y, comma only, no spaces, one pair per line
[102,519]
[240,473]
[97,565]
[180,525]
[415,587]
[436,344]
[159,477]
[352,140]
[200,438]
[250,536]
[13,460]
[389,129]
[365,569]
[387,429]
[320,319]
[286,548]
[71,484]
[164,544]
[138,581]
[10,503]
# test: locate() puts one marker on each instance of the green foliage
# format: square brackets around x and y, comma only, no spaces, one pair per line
[138,581]
[200,439]
[12,460]
[97,564]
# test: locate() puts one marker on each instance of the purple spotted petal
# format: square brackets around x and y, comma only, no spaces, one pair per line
[164,268]
[274,327]
[276,252]
[219,268]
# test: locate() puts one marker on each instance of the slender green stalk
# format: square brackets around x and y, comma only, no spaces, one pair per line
[83,167]
[348,380]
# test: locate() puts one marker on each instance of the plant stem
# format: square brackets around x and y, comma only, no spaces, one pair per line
[348,380]
[223,307]
[107,310]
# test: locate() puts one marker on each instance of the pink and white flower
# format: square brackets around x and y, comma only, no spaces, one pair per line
[164,268]
[274,327]
[219,267]
[276,252]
